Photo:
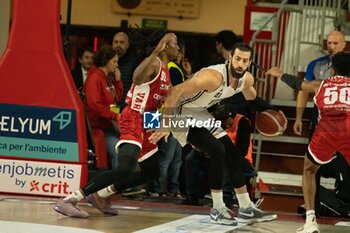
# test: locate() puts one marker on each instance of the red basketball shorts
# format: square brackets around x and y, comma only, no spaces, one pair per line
[131,131]
[326,140]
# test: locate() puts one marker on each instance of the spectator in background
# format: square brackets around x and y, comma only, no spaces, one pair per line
[225,40]
[86,60]
[170,160]
[103,91]
[180,69]
[237,128]
[128,61]
[170,152]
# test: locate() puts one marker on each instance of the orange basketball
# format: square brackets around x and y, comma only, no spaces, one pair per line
[270,123]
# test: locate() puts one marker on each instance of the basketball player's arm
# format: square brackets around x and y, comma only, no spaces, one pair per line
[146,71]
[301,102]
[249,91]
[255,102]
[204,80]
[293,81]
[149,68]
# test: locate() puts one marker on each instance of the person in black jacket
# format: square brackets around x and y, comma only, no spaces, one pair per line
[128,60]
[86,60]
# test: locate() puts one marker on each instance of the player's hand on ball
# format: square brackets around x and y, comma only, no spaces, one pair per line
[286,121]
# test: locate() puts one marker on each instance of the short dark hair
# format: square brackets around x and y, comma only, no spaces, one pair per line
[243,47]
[83,50]
[227,38]
[340,63]
[103,55]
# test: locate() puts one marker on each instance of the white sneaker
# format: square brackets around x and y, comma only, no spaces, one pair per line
[310,227]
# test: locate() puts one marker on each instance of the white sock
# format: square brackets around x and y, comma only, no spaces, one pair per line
[310,216]
[218,201]
[243,200]
[77,195]
[106,192]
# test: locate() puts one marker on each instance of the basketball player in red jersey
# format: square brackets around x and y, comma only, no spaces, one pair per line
[151,82]
[332,132]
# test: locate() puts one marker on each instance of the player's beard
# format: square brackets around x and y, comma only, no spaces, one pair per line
[235,74]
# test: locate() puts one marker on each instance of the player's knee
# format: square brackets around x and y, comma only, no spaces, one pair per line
[310,166]
[128,155]
[127,165]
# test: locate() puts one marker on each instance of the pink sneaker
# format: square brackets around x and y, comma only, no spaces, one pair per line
[69,208]
[102,204]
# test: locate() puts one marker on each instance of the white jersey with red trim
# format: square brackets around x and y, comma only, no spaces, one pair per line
[151,95]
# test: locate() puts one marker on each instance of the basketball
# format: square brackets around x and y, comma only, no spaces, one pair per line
[270,123]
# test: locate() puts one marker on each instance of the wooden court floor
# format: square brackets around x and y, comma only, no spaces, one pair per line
[37,213]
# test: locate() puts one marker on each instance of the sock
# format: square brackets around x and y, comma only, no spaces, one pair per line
[243,200]
[77,195]
[310,216]
[106,192]
[218,201]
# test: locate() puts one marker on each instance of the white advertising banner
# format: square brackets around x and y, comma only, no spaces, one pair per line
[39,178]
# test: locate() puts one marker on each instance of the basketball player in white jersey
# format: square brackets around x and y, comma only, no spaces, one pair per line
[192,99]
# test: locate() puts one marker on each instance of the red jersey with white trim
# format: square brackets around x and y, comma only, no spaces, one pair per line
[333,99]
[150,96]
[332,132]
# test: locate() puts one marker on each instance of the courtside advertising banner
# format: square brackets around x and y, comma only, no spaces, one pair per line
[38,133]
[39,178]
